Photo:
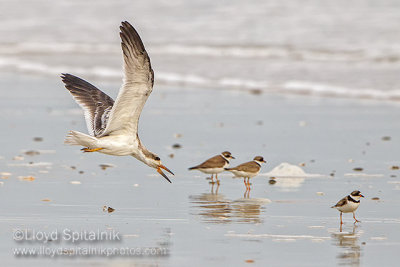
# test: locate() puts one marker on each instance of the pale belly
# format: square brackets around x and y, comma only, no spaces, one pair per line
[212,170]
[117,145]
[350,207]
[243,174]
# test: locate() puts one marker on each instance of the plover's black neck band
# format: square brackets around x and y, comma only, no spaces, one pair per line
[227,161]
[349,198]
[257,163]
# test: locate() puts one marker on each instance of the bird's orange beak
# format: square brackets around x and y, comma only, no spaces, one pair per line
[361,195]
[162,173]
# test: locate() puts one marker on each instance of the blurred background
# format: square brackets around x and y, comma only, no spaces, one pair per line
[331,48]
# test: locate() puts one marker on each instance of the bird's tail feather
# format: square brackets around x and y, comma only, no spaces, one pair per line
[75,138]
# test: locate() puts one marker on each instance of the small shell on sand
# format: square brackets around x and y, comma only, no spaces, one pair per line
[18,158]
[108,209]
[31,153]
[38,139]
[75,182]
[302,123]
[320,193]
[177,135]
[375,198]
[358,169]
[395,168]
[176,146]
[386,138]
[106,166]
[46,200]
[27,178]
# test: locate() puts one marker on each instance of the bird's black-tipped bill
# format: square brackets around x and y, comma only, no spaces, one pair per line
[163,174]
[361,195]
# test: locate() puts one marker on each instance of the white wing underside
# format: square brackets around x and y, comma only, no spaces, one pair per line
[137,85]
[104,116]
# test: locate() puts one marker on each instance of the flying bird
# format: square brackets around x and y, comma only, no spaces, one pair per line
[215,165]
[348,204]
[113,126]
[247,170]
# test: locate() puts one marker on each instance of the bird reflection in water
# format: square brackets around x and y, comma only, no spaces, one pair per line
[349,244]
[215,208]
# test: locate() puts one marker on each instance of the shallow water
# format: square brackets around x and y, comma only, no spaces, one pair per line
[285,224]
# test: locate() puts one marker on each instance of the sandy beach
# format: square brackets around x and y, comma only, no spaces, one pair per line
[49,187]
[312,86]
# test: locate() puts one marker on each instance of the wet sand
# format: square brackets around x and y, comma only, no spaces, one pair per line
[283,224]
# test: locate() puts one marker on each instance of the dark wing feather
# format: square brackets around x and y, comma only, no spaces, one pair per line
[214,162]
[96,104]
[250,166]
[341,202]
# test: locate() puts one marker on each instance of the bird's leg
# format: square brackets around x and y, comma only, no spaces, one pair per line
[86,149]
[216,177]
[341,222]
[354,216]
[248,182]
[244,180]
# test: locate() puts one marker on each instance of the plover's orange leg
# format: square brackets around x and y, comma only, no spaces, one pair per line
[216,177]
[212,178]
[354,216]
[244,180]
[248,183]
[341,222]
[86,149]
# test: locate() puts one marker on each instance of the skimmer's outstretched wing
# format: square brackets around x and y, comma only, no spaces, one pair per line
[137,85]
[96,104]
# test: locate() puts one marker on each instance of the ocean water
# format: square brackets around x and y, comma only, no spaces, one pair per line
[329,48]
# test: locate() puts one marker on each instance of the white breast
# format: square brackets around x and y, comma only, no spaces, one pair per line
[349,207]
[118,145]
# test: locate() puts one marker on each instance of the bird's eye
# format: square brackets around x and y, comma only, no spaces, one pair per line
[157,158]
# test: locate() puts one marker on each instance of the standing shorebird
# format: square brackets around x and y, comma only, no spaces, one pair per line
[113,127]
[214,165]
[247,170]
[348,204]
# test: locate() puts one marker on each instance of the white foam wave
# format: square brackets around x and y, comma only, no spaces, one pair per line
[178,79]
[311,88]
[233,51]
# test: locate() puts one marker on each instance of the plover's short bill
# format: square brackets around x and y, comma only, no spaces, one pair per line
[348,204]
[215,165]
[247,170]
[113,126]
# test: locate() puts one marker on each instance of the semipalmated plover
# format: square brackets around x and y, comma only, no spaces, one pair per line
[247,170]
[214,165]
[348,204]
[113,127]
